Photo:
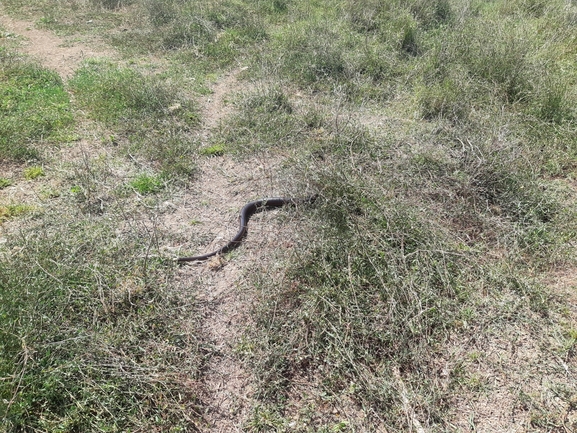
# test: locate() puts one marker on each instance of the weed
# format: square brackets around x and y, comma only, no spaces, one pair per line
[147,184]
[48,192]
[31,173]
[214,150]
[13,210]
[4,183]
[409,39]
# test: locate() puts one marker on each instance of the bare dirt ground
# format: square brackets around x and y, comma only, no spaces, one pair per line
[213,203]
[56,53]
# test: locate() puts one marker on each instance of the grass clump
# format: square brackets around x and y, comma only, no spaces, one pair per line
[147,184]
[265,119]
[214,150]
[32,173]
[313,53]
[446,99]
[397,291]
[207,35]
[13,210]
[552,102]
[147,113]
[500,57]
[34,106]
[4,183]
[116,95]
[111,4]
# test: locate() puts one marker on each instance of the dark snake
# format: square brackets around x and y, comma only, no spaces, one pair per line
[246,212]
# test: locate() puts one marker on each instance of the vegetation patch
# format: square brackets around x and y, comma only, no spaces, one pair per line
[440,137]
[151,115]
[91,344]
[4,183]
[214,150]
[147,184]
[31,173]
[13,210]
[116,95]
[34,106]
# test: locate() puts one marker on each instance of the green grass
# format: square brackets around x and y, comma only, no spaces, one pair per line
[398,266]
[214,150]
[155,119]
[409,212]
[31,173]
[34,107]
[265,119]
[13,210]
[147,184]
[117,95]
[4,183]
[89,344]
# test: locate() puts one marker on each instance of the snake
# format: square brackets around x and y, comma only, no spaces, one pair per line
[246,212]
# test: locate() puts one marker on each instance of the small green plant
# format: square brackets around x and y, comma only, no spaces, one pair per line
[5,182]
[147,184]
[13,210]
[31,173]
[214,150]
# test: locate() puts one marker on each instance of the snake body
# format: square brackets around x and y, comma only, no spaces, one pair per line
[246,212]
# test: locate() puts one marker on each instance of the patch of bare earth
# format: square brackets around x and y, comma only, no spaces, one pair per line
[53,52]
[206,218]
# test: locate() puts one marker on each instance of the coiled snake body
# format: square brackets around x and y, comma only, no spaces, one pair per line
[246,212]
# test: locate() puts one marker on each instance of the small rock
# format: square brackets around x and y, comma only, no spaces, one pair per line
[174,108]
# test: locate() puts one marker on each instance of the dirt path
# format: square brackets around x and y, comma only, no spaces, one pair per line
[50,50]
[225,295]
